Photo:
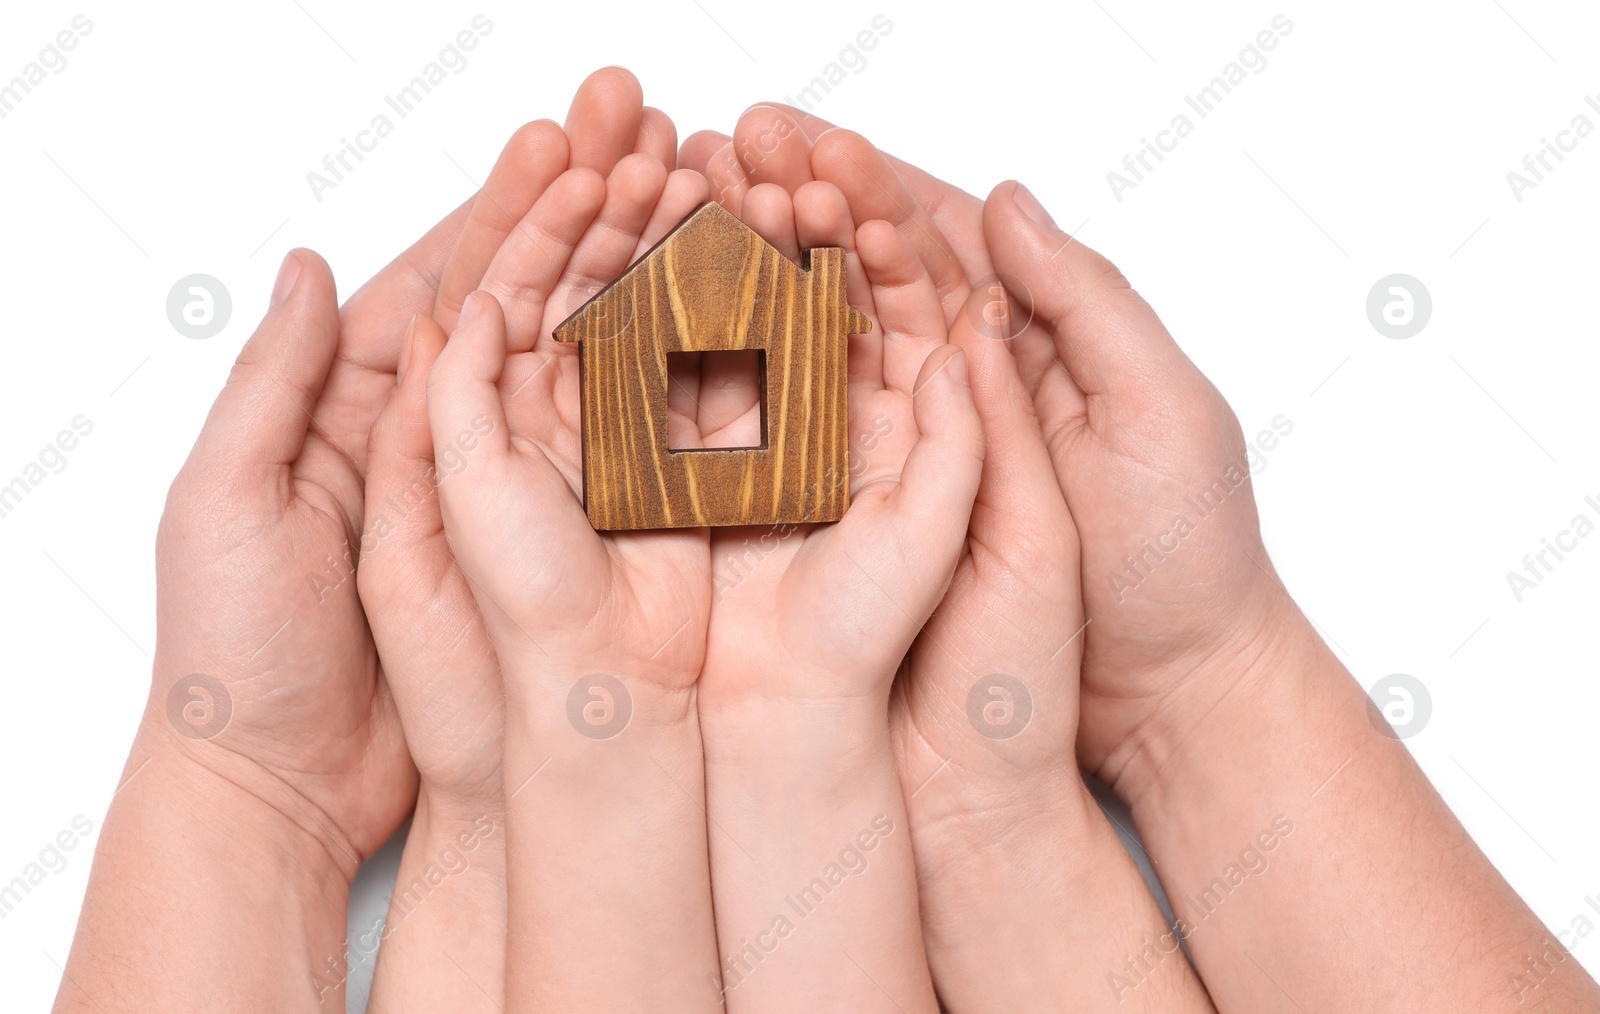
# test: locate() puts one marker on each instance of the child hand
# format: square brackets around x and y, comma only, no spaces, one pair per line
[600,637]
[808,627]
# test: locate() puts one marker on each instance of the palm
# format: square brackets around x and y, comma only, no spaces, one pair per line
[270,592]
[803,611]
[560,582]
[547,581]
[554,580]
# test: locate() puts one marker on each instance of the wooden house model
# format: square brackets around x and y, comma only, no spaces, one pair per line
[711,286]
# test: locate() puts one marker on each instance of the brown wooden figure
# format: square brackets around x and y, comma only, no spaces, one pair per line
[713,285]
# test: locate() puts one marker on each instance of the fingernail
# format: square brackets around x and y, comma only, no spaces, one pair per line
[1029,205]
[288,274]
[405,352]
[958,367]
[471,310]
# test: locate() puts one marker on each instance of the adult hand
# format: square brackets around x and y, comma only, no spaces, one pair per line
[272,745]
[1162,427]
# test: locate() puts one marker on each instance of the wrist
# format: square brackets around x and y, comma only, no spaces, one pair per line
[600,699]
[767,739]
[454,804]
[579,734]
[443,822]
[224,792]
[1058,896]
[1051,812]
[1275,705]
[211,852]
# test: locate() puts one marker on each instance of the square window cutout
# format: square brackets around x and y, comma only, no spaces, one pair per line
[728,381]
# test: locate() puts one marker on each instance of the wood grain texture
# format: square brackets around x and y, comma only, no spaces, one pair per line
[713,285]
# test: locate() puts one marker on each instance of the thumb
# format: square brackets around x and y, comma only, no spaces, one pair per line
[1110,340]
[940,478]
[259,421]
[463,396]
[400,437]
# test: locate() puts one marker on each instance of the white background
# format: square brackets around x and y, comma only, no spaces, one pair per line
[1377,140]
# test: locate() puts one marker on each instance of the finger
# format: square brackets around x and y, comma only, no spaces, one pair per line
[1034,351]
[822,219]
[956,213]
[769,210]
[683,401]
[728,181]
[698,148]
[923,517]
[1109,338]
[909,316]
[772,148]
[400,437]
[811,125]
[536,154]
[259,421]
[658,138]
[609,242]
[603,122]
[1019,479]
[685,191]
[874,190]
[401,475]
[941,474]
[535,254]
[462,396]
